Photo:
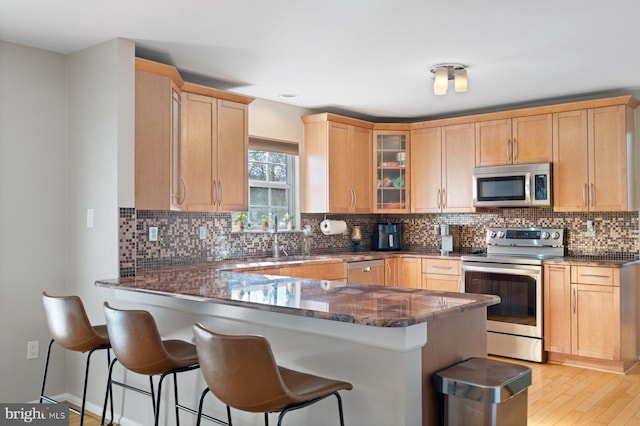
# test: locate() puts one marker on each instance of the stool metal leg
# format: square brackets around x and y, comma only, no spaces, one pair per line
[46,369]
[175,397]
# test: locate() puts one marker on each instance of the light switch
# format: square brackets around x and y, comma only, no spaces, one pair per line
[89,218]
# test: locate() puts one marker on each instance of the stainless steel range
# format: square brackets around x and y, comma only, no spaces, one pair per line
[512,269]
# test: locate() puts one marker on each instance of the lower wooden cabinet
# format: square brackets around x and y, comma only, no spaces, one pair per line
[334,271]
[441,274]
[591,315]
[409,271]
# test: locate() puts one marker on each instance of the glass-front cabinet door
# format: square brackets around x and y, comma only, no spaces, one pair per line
[391,168]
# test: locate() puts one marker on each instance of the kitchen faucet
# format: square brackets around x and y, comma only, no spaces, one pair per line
[276,247]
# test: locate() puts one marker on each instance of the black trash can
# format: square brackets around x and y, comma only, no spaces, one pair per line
[481,391]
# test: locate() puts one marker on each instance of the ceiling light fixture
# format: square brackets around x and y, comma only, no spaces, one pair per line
[445,72]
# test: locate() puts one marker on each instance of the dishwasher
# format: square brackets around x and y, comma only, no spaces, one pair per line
[366,272]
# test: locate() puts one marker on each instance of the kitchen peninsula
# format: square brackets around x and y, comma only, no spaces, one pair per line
[387,342]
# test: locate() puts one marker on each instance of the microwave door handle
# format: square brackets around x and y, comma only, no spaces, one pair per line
[527,187]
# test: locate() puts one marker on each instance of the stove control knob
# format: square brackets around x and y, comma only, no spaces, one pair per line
[545,235]
[500,234]
[492,234]
[555,235]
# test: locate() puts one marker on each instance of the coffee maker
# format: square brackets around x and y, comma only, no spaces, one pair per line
[387,236]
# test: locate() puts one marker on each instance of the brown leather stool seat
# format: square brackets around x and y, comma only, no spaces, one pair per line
[137,345]
[242,373]
[70,328]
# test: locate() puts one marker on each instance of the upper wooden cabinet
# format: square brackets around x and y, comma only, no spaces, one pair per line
[159,183]
[215,142]
[191,143]
[442,161]
[595,160]
[391,164]
[514,140]
[337,166]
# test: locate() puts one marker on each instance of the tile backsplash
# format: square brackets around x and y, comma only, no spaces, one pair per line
[617,234]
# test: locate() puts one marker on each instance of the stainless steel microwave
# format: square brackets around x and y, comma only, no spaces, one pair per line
[518,185]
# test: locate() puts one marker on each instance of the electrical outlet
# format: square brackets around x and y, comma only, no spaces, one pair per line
[32,349]
[591,229]
[153,233]
[202,232]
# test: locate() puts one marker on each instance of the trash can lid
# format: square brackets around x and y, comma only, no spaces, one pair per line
[483,380]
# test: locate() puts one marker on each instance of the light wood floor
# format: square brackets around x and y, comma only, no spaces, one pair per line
[561,395]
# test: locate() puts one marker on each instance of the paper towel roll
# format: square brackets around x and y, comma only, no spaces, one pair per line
[332,227]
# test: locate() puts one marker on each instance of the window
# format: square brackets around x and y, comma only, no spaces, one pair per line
[272,181]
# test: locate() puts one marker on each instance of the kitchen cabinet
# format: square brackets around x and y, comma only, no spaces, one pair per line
[215,141]
[590,315]
[391,164]
[337,166]
[594,158]
[443,160]
[159,183]
[391,272]
[518,140]
[333,271]
[441,274]
[409,272]
[557,308]
[595,313]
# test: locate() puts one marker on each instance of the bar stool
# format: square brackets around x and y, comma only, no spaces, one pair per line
[70,328]
[137,345]
[242,373]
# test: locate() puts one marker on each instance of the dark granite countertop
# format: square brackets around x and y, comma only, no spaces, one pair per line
[592,261]
[337,301]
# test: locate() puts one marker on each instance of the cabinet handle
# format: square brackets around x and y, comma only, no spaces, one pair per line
[591,195]
[444,199]
[584,195]
[594,275]
[573,300]
[442,267]
[366,269]
[184,186]
[515,150]
[438,198]
[353,197]
[221,193]
[214,192]
[387,279]
[508,150]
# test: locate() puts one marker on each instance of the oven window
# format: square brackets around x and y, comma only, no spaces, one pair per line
[501,188]
[517,296]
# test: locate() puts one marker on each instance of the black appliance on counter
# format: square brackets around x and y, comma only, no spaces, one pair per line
[387,236]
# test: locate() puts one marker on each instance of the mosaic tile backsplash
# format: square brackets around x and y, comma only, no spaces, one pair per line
[617,234]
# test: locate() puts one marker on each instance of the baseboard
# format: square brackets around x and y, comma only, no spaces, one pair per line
[91,410]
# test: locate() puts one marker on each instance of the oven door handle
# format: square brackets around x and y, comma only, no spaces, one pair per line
[493,268]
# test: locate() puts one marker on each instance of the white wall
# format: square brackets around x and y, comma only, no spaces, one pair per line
[66,145]
[33,211]
[101,104]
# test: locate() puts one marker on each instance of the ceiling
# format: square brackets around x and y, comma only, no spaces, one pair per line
[363,58]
